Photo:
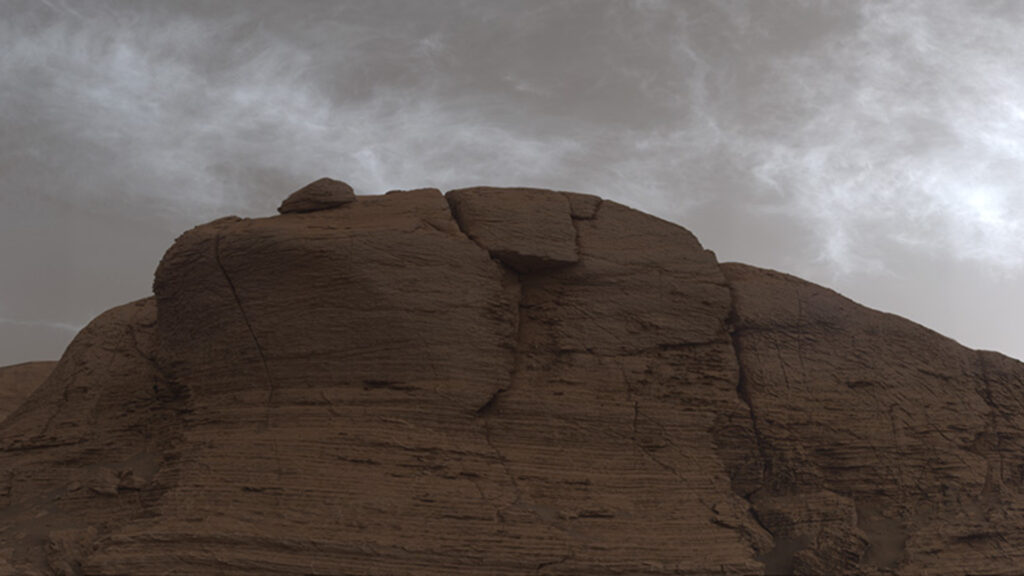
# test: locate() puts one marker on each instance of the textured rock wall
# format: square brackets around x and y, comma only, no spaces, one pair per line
[82,455]
[19,381]
[504,381]
[885,445]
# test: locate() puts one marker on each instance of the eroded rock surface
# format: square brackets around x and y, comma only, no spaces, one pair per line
[18,381]
[83,454]
[504,381]
[321,194]
[885,446]
[526,229]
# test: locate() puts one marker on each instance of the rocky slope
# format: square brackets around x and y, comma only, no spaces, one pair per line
[18,381]
[504,381]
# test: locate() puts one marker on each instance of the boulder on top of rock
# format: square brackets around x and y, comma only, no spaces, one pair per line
[527,229]
[322,194]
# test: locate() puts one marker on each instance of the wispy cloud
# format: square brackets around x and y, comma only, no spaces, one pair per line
[138,114]
[62,326]
[906,130]
[858,137]
[902,124]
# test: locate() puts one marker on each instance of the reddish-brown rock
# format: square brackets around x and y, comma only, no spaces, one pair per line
[526,229]
[18,381]
[82,454]
[320,194]
[504,382]
[884,445]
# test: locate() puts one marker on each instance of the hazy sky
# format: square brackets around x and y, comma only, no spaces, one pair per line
[873,147]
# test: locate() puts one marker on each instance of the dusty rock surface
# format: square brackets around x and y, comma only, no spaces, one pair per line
[505,381]
[320,194]
[884,446]
[527,230]
[18,381]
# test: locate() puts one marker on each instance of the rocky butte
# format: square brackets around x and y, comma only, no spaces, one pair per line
[503,381]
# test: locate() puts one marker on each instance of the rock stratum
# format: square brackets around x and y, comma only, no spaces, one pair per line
[18,381]
[505,381]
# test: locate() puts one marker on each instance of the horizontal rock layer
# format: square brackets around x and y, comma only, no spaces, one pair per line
[505,381]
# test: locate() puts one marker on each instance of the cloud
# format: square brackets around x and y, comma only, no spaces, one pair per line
[825,137]
[906,129]
[62,326]
[889,123]
[135,112]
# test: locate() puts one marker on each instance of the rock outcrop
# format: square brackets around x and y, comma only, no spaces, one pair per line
[321,194]
[884,445]
[18,381]
[505,381]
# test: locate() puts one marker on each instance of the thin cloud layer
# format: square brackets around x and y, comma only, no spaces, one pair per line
[131,98]
[907,129]
[73,328]
[833,139]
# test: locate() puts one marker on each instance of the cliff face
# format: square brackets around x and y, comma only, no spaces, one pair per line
[504,381]
[884,444]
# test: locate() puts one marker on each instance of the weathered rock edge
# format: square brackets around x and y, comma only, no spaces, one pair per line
[710,418]
[18,381]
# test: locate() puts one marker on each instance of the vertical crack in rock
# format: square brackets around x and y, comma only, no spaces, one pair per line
[993,423]
[519,263]
[576,226]
[743,392]
[454,211]
[248,325]
[901,488]
[503,462]
[485,411]
[644,450]
[489,405]
[800,333]
[487,408]
[576,231]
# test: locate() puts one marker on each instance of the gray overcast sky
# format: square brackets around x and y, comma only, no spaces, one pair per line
[874,147]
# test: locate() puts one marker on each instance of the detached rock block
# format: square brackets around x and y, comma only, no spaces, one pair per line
[525,228]
[322,194]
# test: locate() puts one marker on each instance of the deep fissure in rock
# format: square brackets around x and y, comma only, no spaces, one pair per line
[743,392]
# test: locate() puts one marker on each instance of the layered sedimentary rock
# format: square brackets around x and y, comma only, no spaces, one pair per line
[321,194]
[504,381]
[18,381]
[885,446]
